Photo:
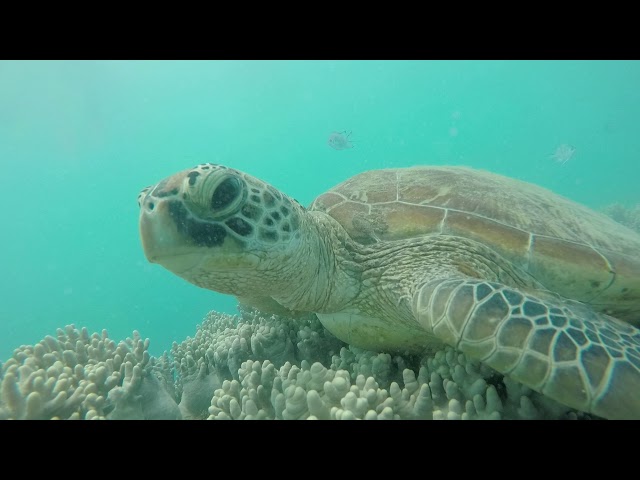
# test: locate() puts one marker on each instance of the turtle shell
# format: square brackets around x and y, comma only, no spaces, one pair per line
[568,248]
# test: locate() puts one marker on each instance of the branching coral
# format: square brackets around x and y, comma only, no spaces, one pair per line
[448,386]
[223,343]
[80,376]
[255,366]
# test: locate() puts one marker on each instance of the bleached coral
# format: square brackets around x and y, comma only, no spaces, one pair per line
[448,386]
[263,337]
[163,369]
[255,366]
[223,343]
[78,376]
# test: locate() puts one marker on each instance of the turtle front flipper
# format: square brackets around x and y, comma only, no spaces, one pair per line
[583,359]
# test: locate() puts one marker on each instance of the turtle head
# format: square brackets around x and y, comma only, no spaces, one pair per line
[220,229]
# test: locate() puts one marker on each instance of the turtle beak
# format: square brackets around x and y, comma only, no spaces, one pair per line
[161,241]
[156,232]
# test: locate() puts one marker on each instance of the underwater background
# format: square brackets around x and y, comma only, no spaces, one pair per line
[80,139]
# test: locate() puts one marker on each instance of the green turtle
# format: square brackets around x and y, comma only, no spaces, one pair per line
[536,286]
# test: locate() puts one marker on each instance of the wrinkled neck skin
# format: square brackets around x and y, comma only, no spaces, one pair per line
[320,275]
[328,272]
[381,279]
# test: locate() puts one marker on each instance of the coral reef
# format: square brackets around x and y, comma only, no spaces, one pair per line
[254,366]
[627,216]
[448,386]
[77,376]
[223,342]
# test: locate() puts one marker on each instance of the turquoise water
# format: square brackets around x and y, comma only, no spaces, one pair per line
[79,139]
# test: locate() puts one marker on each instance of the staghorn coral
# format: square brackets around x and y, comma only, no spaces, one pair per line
[627,216]
[77,376]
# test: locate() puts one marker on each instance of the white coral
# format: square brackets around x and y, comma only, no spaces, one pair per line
[76,376]
[255,367]
[370,385]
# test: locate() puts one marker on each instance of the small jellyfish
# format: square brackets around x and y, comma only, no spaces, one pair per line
[340,140]
[563,153]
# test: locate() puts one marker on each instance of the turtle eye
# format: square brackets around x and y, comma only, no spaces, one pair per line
[225,193]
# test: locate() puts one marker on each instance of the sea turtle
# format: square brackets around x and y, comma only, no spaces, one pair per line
[536,286]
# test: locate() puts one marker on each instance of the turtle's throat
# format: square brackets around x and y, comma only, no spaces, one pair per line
[321,276]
